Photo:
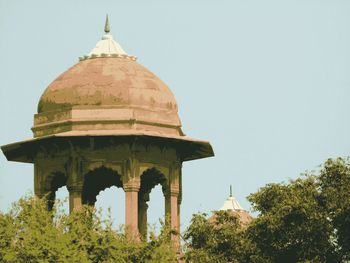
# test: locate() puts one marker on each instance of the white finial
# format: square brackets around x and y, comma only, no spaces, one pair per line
[231,203]
[107,29]
[107,47]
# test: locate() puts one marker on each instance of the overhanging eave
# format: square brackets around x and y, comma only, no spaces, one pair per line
[25,151]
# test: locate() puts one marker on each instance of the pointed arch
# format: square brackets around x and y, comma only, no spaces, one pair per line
[149,179]
[98,180]
[54,181]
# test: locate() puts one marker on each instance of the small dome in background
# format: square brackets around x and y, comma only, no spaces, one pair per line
[232,206]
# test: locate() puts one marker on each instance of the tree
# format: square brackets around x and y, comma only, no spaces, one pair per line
[334,184]
[303,220]
[307,219]
[292,225]
[217,239]
[29,233]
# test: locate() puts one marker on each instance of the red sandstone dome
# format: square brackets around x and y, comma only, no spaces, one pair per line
[115,82]
[109,95]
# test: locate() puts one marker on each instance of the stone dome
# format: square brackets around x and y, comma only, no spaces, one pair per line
[107,93]
[233,208]
[108,82]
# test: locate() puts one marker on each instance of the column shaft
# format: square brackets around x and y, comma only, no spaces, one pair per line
[75,199]
[75,181]
[131,215]
[41,190]
[172,214]
[167,207]
[142,220]
[178,214]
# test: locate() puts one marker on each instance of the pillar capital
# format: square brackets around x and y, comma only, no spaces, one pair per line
[75,188]
[132,184]
[74,168]
[131,179]
[131,167]
[172,191]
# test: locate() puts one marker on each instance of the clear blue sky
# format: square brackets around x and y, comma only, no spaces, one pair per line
[266,82]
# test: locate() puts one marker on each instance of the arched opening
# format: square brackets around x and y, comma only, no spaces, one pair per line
[62,194]
[112,199]
[156,209]
[55,181]
[98,180]
[149,179]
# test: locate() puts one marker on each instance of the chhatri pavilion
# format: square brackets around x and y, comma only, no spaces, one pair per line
[109,121]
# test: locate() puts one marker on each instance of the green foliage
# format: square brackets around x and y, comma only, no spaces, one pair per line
[335,191]
[295,228]
[28,233]
[304,220]
[218,239]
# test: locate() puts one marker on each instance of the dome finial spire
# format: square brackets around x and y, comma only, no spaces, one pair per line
[107,29]
[230,190]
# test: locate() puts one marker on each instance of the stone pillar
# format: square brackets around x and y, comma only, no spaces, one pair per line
[41,189]
[131,186]
[142,214]
[131,189]
[172,203]
[75,181]
[167,206]
[38,182]
[75,198]
[171,213]
[47,196]
[178,212]
[179,199]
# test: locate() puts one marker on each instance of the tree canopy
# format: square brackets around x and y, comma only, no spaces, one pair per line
[29,233]
[302,220]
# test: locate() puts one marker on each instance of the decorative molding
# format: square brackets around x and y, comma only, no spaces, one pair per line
[132,184]
[78,188]
[160,167]
[95,164]
[103,55]
[75,169]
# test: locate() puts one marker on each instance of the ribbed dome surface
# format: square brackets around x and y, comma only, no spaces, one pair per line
[107,82]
